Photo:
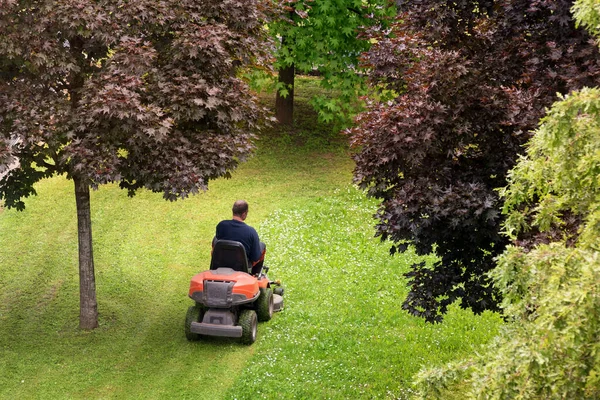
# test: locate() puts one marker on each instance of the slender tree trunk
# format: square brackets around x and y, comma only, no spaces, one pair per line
[284,106]
[88,307]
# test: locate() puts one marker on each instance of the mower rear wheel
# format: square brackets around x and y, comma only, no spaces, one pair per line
[249,323]
[194,314]
[264,305]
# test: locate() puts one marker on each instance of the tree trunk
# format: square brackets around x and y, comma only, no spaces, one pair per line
[284,106]
[88,307]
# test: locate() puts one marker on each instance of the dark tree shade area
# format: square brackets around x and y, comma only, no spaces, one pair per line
[466,82]
[140,92]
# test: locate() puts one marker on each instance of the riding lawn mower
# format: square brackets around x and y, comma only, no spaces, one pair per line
[230,297]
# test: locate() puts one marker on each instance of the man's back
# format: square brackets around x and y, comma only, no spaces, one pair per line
[243,233]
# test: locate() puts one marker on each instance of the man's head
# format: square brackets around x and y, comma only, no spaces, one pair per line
[240,209]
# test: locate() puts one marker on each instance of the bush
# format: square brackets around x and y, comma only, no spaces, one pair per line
[551,281]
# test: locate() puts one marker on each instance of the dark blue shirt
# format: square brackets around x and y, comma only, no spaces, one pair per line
[232,229]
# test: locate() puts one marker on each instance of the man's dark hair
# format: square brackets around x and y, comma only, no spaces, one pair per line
[240,207]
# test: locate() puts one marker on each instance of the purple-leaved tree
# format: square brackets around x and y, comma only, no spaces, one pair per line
[140,92]
[467,81]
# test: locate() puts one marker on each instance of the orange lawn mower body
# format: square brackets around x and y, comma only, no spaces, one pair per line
[229,299]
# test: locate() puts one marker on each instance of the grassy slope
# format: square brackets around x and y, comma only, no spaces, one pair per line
[146,250]
[342,334]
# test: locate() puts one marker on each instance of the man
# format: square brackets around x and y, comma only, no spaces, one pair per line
[236,229]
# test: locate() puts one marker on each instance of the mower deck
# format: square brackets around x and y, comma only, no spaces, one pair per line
[277,302]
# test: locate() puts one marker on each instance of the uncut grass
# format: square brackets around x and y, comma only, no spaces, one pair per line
[343,334]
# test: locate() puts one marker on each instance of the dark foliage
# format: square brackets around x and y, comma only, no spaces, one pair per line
[139,92]
[469,81]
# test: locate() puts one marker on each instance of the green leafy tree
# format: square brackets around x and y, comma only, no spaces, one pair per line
[326,36]
[139,92]
[550,276]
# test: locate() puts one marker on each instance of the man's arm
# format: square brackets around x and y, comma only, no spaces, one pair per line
[217,230]
[256,255]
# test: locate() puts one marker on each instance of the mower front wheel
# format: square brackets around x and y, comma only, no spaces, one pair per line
[194,314]
[264,305]
[249,323]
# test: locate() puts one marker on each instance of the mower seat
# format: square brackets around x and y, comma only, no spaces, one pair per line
[229,254]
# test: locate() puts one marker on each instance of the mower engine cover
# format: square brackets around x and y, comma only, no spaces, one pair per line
[223,288]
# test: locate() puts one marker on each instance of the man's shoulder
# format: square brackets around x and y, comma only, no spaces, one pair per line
[239,225]
[248,229]
[252,230]
[230,222]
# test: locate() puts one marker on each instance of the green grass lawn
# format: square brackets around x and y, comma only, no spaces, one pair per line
[342,334]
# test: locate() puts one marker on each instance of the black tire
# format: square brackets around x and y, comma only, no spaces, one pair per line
[194,314]
[264,305]
[249,323]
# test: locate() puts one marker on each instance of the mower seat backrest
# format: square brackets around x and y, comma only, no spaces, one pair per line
[229,254]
